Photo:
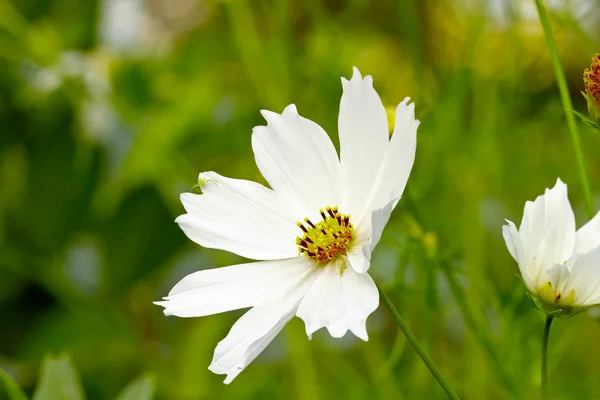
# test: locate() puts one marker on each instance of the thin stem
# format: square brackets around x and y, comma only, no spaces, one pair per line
[545,357]
[567,105]
[417,346]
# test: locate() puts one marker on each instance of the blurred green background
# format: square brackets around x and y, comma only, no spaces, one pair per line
[109,109]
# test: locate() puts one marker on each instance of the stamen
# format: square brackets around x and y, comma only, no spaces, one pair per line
[328,239]
[302,227]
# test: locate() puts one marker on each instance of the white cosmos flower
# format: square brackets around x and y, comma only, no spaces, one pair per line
[314,229]
[559,265]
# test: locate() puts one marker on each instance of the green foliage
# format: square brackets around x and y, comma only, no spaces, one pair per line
[58,380]
[592,121]
[103,126]
[9,389]
[139,389]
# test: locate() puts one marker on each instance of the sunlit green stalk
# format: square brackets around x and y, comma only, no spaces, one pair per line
[567,105]
[416,345]
[252,53]
[545,338]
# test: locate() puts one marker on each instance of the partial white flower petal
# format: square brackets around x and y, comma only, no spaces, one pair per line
[588,236]
[359,258]
[558,277]
[397,162]
[298,160]
[255,330]
[239,216]
[379,219]
[341,300]
[359,255]
[364,137]
[218,290]
[584,278]
[515,247]
[511,235]
[248,338]
[547,231]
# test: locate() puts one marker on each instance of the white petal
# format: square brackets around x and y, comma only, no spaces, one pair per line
[369,233]
[248,338]
[298,160]
[359,255]
[359,258]
[363,130]
[250,335]
[515,247]
[239,216]
[397,162]
[341,300]
[585,278]
[558,276]
[548,232]
[218,290]
[588,236]
[511,236]
[379,219]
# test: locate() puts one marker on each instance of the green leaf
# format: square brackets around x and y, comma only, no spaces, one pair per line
[591,124]
[9,388]
[139,389]
[580,115]
[59,380]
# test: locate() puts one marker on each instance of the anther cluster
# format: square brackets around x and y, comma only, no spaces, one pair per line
[327,239]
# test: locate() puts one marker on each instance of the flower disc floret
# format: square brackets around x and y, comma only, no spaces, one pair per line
[591,78]
[329,238]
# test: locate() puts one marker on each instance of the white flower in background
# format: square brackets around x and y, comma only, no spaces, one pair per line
[559,265]
[316,227]
[122,24]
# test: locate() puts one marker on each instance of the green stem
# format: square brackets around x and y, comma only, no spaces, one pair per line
[417,346]
[567,105]
[545,357]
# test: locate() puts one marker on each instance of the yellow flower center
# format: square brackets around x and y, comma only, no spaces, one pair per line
[554,298]
[327,239]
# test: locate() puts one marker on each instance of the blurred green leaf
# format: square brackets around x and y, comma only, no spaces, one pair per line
[133,254]
[9,388]
[591,124]
[139,389]
[12,20]
[59,380]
